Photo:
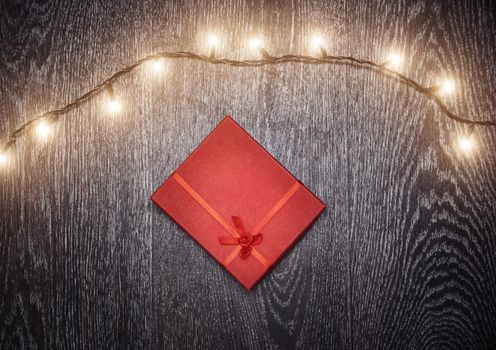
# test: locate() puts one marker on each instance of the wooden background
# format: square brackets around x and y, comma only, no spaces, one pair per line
[403,258]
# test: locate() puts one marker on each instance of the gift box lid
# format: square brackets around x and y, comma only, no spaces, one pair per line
[238,202]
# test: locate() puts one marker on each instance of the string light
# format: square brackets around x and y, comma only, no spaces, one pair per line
[156,61]
[393,60]
[3,159]
[256,43]
[317,44]
[447,87]
[213,42]
[317,41]
[157,65]
[114,106]
[466,143]
[43,130]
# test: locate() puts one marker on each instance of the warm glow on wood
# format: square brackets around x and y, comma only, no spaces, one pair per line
[114,106]
[43,130]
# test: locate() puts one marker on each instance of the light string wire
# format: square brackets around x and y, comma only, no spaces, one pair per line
[267,59]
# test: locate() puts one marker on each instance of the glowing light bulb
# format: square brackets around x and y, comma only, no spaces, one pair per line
[255,43]
[394,60]
[3,159]
[317,41]
[447,87]
[316,44]
[466,143]
[43,130]
[157,65]
[114,106]
[213,41]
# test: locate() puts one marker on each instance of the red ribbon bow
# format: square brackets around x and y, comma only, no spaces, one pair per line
[246,240]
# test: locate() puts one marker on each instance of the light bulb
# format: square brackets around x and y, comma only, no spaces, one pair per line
[3,159]
[213,41]
[43,130]
[114,106]
[255,43]
[317,41]
[316,45]
[447,87]
[394,60]
[466,143]
[157,65]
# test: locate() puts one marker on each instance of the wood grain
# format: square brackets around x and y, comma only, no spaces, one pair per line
[403,258]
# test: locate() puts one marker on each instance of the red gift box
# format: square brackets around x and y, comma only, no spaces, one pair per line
[238,202]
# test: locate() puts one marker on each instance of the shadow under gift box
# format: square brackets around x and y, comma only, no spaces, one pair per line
[229,191]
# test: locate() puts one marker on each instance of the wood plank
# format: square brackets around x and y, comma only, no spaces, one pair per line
[404,256]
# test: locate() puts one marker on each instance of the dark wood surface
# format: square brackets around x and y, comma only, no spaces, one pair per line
[404,257]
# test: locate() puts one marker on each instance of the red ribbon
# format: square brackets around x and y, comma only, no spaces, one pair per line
[240,237]
[246,240]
